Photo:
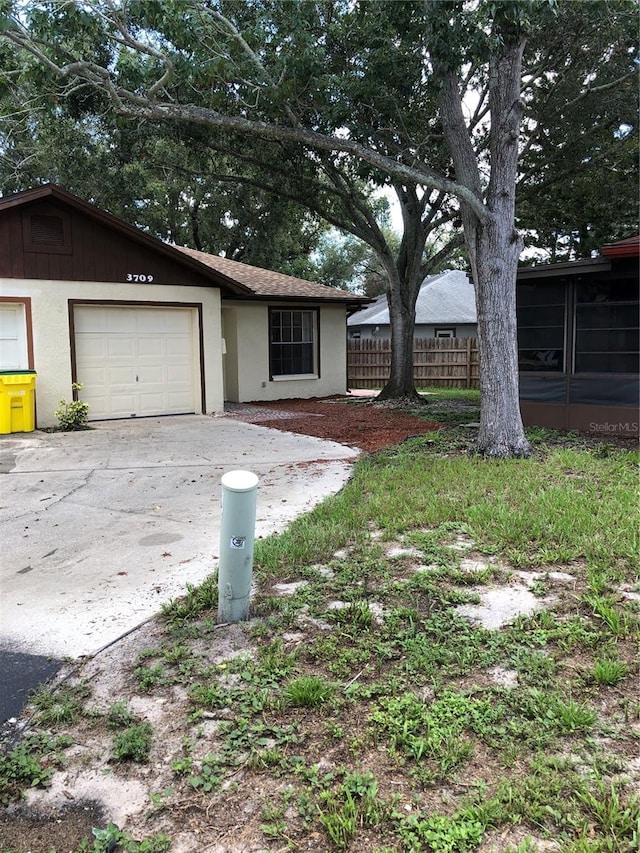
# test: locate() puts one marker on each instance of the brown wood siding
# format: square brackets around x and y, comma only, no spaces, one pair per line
[98,253]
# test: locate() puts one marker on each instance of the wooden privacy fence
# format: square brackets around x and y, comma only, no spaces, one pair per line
[443,362]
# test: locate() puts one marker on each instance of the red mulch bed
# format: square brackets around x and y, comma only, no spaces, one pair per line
[359,423]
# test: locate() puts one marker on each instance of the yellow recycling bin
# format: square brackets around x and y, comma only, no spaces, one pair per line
[17,401]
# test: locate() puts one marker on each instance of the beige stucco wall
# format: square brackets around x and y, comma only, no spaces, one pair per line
[246,327]
[51,334]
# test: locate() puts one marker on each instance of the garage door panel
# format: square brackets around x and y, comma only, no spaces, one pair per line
[135,361]
[151,402]
[121,374]
[96,376]
[177,348]
[177,374]
[122,405]
[152,374]
[121,347]
[90,347]
[151,347]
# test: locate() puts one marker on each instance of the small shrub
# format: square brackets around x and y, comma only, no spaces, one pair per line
[74,415]
[133,743]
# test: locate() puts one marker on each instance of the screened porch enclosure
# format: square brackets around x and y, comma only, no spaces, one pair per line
[578,345]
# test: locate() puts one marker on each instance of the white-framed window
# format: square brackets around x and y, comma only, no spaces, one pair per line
[13,337]
[448,332]
[293,342]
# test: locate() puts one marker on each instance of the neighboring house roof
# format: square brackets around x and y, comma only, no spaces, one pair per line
[629,248]
[238,280]
[444,299]
[269,285]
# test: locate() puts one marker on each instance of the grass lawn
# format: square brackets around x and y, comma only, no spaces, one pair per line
[366,712]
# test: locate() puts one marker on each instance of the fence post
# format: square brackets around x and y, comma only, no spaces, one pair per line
[468,362]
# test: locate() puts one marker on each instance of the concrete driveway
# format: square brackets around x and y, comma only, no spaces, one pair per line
[100,527]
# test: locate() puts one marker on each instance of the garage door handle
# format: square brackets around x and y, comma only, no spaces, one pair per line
[137,380]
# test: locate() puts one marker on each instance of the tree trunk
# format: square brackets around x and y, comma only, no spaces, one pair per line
[494,248]
[401,298]
[404,277]
[498,248]
[501,432]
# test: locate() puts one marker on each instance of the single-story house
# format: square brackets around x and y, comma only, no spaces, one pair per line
[578,341]
[445,308]
[149,328]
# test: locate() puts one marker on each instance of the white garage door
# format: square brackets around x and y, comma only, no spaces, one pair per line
[135,362]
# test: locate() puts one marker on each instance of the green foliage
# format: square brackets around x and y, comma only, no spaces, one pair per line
[113,838]
[209,774]
[439,833]
[119,716]
[30,764]
[607,671]
[74,415]
[60,706]
[198,600]
[149,677]
[308,691]
[574,193]
[133,743]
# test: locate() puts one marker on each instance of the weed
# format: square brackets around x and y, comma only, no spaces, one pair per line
[113,838]
[119,716]
[183,766]
[274,663]
[209,774]
[439,833]
[607,671]
[432,732]
[354,619]
[618,821]
[61,705]
[133,743]
[149,677]
[198,600]
[553,713]
[340,819]
[28,765]
[74,415]
[308,691]
[604,608]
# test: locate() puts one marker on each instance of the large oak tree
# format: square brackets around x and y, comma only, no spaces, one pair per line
[367,91]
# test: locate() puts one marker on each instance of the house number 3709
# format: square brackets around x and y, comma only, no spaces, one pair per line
[134,276]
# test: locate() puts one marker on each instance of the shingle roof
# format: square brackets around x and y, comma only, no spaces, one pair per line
[269,284]
[236,279]
[446,298]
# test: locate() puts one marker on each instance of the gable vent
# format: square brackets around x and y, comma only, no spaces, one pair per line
[47,229]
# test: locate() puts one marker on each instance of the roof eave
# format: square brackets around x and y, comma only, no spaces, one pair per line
[564,269]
